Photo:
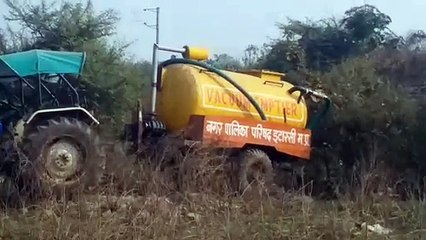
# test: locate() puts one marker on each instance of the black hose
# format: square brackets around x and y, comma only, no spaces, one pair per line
[218,72]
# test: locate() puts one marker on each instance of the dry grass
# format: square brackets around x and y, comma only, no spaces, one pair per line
[146,204]
[199,216]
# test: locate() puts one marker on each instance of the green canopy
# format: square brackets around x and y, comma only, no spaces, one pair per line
[41,61]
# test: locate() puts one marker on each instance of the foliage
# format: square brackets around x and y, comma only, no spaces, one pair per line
[320,45]
[252,55]
[375,80]
[365,107]
[404,68]
[224,61]
[3,43]
[66,27]
[358,91]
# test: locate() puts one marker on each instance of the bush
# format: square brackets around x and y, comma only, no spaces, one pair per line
[369,115]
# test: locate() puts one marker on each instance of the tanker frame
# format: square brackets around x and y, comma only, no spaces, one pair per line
[257,115]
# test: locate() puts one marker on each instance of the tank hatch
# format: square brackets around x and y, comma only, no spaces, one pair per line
[264,74]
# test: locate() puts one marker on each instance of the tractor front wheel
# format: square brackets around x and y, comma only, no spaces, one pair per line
[63,154]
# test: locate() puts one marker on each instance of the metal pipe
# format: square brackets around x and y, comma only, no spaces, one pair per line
[157,35]
[171,49]
[155,49]
[305,92]
[61,76]
[154,77]
[157,23]
[50,93]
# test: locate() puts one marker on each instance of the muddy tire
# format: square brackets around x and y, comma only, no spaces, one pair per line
[254,168]
[62,154]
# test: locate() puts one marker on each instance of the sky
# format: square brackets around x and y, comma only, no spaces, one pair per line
[228,26]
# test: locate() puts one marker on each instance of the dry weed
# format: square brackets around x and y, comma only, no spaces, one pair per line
[143,201]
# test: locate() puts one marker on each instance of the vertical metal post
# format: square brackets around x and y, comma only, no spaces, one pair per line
[154,56]
[155,26]
[154,77]
[157,38]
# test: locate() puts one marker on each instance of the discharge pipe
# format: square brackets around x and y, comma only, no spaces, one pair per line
[304,92]
[186,52]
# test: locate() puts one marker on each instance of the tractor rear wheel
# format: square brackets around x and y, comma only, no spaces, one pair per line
[63,154]
[254,168]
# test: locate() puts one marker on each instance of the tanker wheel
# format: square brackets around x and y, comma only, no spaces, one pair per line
[63,154]
[255,168]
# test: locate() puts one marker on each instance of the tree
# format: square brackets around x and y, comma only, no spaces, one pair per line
[252,56]
[224,61]
[64,27]
[367,27]
[375,79]
[3,43]
[320,45]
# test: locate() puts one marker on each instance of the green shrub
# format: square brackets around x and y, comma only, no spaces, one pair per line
[369,115]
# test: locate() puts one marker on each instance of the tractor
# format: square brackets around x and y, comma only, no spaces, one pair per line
[257,115]
[48,138]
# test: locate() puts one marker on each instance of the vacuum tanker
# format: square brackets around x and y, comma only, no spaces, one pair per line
[186,90]
[256,114]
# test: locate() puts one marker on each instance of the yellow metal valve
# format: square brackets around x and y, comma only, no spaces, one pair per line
[194,53]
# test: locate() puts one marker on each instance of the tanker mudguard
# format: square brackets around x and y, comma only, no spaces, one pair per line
[79,111]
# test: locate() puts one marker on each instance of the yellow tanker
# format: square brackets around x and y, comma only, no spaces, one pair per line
[186,90]
[244,111]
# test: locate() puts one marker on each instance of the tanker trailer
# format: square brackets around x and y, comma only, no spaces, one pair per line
[254,113]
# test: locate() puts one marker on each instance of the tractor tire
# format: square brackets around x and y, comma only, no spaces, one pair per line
[63,154]
[254,166]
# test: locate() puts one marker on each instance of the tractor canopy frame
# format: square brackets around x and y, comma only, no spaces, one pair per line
[31,72]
